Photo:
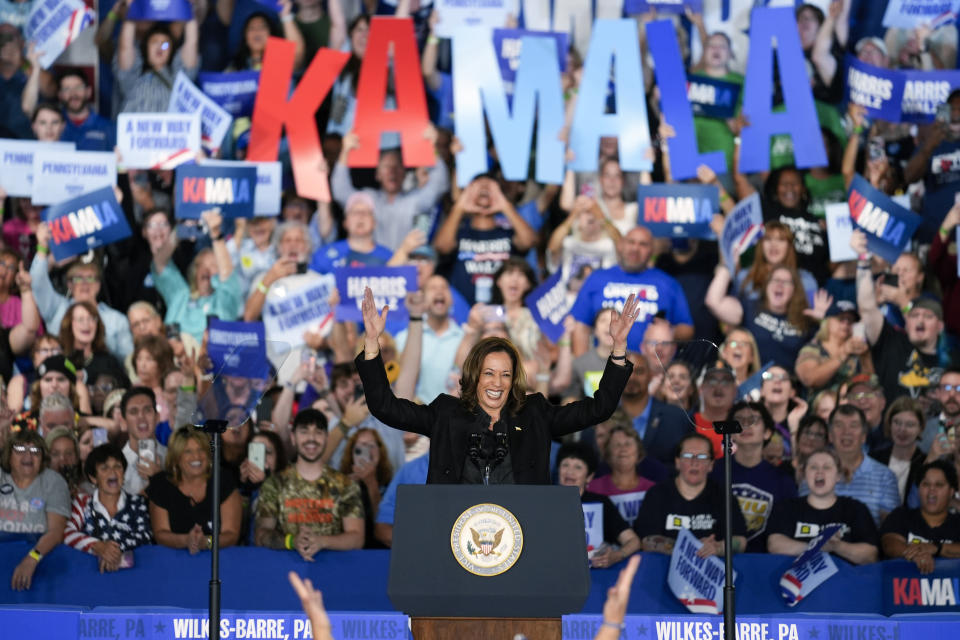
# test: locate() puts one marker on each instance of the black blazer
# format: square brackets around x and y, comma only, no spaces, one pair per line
[449,424]
[667,425]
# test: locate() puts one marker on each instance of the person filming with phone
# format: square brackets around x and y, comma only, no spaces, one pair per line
[495,432]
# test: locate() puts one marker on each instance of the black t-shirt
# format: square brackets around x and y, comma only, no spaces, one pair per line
[183,512]
[777,338]
[6,355]
[809,238]
[694,276]
[903,369]
[613,522]
[665,512]
[477,257]
[798,520]
[910,524]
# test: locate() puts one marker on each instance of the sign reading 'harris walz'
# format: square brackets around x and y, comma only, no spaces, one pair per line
[85,222]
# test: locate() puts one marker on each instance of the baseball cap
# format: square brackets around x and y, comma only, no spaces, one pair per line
[875,41]
[59,364]
[928,303]
[424,251]
[843,306]
[722,367]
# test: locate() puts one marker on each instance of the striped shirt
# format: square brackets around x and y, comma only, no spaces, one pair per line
[90,523]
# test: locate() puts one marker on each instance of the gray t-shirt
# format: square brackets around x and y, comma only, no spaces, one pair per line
[25,510]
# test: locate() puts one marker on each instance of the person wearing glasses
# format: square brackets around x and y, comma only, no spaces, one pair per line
[865,393]
[34,502]
[837,352]
[83,285]
[795,522]
[690,501]
[18,391]
[943,429]
[739,350]
[862,477]
[779,397]
[811,436]
[757,484]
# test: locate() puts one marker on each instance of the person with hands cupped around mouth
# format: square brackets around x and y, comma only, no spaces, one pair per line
[495,432]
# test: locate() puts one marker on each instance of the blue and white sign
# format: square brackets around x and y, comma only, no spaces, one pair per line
[696,582]
[549,304]
[924,91]
[908,14]
[678,210]
[16,163]
[879,91]
[84,223]
[295,305]
[267,198]
[628,504]
[59,175]
[235,91]
[811,569]
[390,285]
[200,187]
[750,388]
[238,348]
[593,524]
[712,97]
[160,10]
[157,140]
[839,231]
[508,43]
[214,119]
[54,25]
[888,225]
[741,228]
[491,14]
[677,7]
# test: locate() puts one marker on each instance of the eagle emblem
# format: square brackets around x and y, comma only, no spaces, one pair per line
[487,546]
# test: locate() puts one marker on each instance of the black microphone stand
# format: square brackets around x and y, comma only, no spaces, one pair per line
[727,428]
[215,428]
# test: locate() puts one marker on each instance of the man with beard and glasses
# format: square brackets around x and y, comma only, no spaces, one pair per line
[945,426]
[84,126]
[308,506]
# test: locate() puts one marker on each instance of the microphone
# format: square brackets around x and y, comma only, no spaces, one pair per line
[474,447]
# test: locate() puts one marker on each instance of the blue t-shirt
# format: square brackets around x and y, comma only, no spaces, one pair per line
[611,287]
[414,472]
[942,182]
[757,489]
[777,339]
[339,254]
[96,133]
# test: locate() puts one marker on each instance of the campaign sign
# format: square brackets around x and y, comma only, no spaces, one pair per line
[266,197]
[54,25]
[811,569]
[678,210]
[508,43]
[879,91]
[904,591]
[712,98]
[238,348]
[84,223]
[549,305]
[160,10]
[696,582]
[298,304]
[157,140]
[750,388]
[214,119]
[470,13]
[63,175]
[924,91]
[390,285]
[888,226]
[635,7]
[628,504]
[234,91]
[16,163]
[200,187]
[741,228]
[839,231]
[908,14]
[593,525]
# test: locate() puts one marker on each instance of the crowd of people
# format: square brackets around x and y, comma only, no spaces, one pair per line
[854,418]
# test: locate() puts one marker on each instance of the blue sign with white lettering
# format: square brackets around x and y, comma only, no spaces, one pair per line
[888,226]
[86,222]
[712,97]
[200,187]
[508,43]
[635,7]
[390,285]
[811,568]
[238,348]
[160,10]
[678,210]
[549,304]
[235,91]
[879,91]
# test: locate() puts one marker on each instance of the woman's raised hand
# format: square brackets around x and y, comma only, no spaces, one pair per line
[622,322]
[373,322]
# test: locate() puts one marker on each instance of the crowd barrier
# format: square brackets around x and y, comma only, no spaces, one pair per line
[164,596]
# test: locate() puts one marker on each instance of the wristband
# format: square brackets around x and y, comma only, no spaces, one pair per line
[188,387]
[288,541]
[36,555]
[344,428]
[217,238]
[939,547]
[209,542]
[618,358]
[619,626]
[432,39]
[736,140]
[262,288]
[943,230]
[287,18]
[564,343]
[416,318]
[112,15]
[42,249]
[543,377]
[724,196]
[858,130]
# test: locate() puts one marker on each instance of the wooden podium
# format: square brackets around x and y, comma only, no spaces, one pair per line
[442,568]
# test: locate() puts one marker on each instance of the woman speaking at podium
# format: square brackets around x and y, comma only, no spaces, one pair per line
[494,433]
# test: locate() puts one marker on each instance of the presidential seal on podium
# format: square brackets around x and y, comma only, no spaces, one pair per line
[486,540]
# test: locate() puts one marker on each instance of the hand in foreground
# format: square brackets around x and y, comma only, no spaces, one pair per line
[615,608]
[312,602]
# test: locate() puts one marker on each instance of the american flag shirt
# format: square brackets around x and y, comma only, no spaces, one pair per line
[90,522]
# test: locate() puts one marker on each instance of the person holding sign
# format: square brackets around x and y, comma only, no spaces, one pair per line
[494,433]
[145,74]
[576,464]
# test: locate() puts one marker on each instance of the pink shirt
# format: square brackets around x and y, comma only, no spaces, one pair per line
[604,486]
